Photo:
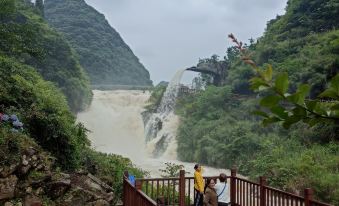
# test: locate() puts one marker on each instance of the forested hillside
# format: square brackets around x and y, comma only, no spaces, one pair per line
[218,127]
[41,144]
[103,53]
[27,38]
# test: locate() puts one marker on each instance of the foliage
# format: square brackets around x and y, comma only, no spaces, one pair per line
[217,127]
[171,170]
[298,107]
[26,37]
[43,110]
[109,168]
[102,52]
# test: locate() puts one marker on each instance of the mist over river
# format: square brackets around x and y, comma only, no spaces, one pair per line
[116,125]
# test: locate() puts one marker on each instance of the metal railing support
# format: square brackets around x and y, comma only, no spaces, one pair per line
[308,195]
[262,182]
[233,186]
[182,188]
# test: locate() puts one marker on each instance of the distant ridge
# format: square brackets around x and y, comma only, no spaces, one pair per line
[102,52]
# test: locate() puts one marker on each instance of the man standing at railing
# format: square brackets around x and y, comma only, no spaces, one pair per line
[198,186]
[221,189]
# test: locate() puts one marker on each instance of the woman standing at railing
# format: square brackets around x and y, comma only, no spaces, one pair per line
[198,186]
[210,198]
[221,189]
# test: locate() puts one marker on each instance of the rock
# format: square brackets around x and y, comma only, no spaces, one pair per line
[30,151]
[29,190]
[99,203]
[39,191]
[24,160]
[8,204]
[6,171]
[59,187]
[31,200]
[7,187]
[24,169]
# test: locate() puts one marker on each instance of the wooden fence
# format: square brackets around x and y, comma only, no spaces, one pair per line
[180,192]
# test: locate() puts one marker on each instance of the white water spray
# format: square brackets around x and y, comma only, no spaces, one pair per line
[161,127]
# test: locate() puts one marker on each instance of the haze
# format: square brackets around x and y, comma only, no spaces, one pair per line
[168,35]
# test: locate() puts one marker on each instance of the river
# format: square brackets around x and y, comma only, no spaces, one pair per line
[116,125]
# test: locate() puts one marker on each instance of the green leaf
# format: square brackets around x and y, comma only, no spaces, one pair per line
[299,111]
[281,83]
[333,90]
[270,120]
[299,96]
[257,83]
[335,107]
[270,101]
[329,93]
[279,111]
[267,74]
[291,120]
[260,113]
[304,89]
[311,104]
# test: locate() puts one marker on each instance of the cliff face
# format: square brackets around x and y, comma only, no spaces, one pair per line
[103,53]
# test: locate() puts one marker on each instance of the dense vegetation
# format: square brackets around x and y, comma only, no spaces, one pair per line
[26,37]
[102,52]
[40,80]
[217,127]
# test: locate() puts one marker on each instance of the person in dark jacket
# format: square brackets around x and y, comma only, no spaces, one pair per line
[210,197]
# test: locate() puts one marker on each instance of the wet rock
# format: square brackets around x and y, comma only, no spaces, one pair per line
[7,187]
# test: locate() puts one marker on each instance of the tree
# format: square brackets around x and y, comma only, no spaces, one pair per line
[39,4]
[281,106]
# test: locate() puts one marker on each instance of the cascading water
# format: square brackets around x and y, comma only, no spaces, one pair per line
[161,127]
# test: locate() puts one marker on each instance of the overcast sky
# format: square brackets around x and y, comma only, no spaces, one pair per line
[168,35]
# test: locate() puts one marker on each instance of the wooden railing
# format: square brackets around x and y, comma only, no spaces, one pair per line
[133,195]
[180,191]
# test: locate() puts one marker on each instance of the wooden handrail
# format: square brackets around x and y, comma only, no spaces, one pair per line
[243,192]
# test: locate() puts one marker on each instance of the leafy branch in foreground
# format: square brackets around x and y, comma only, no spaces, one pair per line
[289,108]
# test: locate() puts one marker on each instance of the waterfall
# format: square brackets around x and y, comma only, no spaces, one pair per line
[161,126]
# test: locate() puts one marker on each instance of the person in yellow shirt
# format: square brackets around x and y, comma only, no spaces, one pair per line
[198,186]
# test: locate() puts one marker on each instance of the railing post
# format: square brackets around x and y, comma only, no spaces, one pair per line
[124,189]
[138,184]
[182,188]
[308,195]
[262,196]
[233,183]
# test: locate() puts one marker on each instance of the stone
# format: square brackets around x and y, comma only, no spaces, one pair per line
[8,170]
[31,200]
[99,203]
[30,151]
[24,169]
[7,187]
[29,190]
[39,191]
[8,204]
[59,187]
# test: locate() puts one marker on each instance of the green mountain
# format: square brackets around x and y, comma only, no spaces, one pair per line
[217,127]
[104,55]
[40,140]
[26,37]
[304,42]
